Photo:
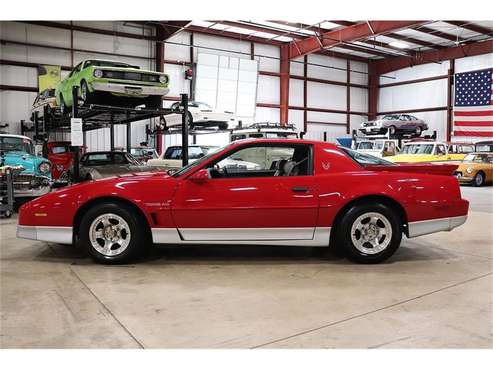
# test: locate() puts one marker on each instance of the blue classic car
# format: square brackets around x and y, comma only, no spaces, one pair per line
[35,179]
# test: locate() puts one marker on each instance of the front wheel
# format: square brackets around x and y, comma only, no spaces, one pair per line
[418,131]
[112,233]
[85,94]
[369,233]
[479,179]
[392,130]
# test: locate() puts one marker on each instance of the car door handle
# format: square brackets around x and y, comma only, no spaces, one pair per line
[300,189]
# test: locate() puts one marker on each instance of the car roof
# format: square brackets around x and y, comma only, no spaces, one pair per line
[17,136]
[284,141]
[107,152]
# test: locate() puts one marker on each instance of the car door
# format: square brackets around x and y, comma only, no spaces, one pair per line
[68,83]
[244,203]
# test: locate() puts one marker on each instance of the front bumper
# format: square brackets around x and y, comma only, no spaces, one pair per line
[31,186]
[52,234]
[373,130]
[463,179]
[129,90]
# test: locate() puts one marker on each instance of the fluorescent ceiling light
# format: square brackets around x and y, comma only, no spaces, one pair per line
[399,44]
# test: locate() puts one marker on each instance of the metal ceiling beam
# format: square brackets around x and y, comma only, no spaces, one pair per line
[351,33]
[366,50]
[232,35]
[99,31]
[472,27]
[433,56]
[437,33]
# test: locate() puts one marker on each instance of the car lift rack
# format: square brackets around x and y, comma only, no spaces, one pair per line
[95,116]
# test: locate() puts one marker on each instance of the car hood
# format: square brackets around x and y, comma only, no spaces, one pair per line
[122,69]
[121,169]
[28,161]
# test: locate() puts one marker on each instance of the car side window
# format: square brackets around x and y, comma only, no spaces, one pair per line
[119,158]
[264,161]
[76,69]
[440,150]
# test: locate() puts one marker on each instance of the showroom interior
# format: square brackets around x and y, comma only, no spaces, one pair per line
[326,82]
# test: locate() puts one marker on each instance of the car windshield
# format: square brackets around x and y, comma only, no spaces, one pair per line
[484,147]
[175,152]
[479,158]
[417,149]
[198,162]
[200,105]
[391,117]
[106,63]
[365,159]
[16,144]
[59,149]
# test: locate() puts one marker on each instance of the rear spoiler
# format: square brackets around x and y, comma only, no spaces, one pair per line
[428,168]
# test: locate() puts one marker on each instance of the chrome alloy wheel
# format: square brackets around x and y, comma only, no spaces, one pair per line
[109,234]
[371,233]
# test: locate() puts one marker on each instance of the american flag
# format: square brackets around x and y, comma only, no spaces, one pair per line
[473,106]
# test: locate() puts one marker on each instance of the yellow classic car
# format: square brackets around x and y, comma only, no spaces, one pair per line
[425,151]
[476,169]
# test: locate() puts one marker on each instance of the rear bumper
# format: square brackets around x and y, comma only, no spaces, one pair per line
[129,90]
[52,234]
[425,227]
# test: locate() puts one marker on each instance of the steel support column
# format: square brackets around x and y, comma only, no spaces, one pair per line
[348,95]
[284,85]
[450,86]
[160,35]
[305,94]
[184,129]
[373,82]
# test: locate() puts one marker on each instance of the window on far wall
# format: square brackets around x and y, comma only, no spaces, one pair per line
[227,83]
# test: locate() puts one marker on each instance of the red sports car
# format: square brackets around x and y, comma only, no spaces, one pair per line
[304,193]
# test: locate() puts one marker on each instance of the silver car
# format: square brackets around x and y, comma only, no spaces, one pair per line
[395,124]
[98,165]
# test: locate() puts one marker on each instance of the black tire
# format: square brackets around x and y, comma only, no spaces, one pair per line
[85,94]
[478,179]
[139,237]
[418,131]
[190,120]
[392,130]
[222,126]
[344,238]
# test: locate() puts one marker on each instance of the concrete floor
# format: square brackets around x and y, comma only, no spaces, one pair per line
[435,292]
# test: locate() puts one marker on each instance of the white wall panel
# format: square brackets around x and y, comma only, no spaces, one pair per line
[326,96]
[296,92]
[296,67]
[178,52]
[14,107]
[268,89]
[266,63]
[21,76]
[420,95]
[112,44]
[416,72]
[359,78]
[35,55]
[473,63]
[23,32]
[316,132]
[295,117]
[359,99]
[177,82]
[267,114]
[233,46]
[326,117]
[320,70]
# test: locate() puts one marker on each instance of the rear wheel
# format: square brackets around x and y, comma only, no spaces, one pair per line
[478,179]
[418,131]
[369,233]
[112,233]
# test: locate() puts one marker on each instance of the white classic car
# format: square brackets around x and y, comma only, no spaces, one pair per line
[378,148]
[264,130]
[44,101]
[202,115]
[171,158]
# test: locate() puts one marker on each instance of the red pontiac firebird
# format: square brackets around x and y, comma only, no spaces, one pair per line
[302,193]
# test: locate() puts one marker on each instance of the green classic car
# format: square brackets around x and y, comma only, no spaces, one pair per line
[114,83]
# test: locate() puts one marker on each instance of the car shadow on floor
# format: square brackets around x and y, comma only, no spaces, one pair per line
[242,255]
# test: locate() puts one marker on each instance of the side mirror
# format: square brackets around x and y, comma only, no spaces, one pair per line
[200,176]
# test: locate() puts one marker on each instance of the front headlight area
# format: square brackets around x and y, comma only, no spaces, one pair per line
[164,79]
[98,73]
[469,170]
[44,168]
